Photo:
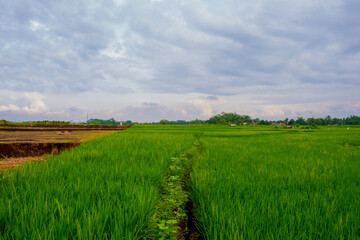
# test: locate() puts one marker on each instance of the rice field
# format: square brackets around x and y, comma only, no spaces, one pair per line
[248,182]
[105,189]
[278,184]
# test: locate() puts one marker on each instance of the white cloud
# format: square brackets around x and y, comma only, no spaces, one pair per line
[36,26]
[115,50]
[32,102]
[10,107]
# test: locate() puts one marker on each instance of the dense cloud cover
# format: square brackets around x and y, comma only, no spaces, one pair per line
[178,59]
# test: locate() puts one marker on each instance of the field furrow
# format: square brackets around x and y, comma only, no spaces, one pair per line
[173,215]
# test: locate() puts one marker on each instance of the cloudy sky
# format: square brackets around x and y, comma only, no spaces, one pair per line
[148,60]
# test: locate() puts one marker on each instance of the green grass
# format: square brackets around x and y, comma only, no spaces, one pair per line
[282,184]
[107,188]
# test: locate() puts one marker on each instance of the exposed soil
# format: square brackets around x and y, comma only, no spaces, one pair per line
[62,128]
[192,230]
[188,228]
[12,163]
[11,150]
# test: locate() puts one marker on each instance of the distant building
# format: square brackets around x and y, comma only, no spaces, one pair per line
[232,125]
[254,123]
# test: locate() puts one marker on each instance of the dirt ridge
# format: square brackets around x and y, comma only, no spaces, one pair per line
[11,150]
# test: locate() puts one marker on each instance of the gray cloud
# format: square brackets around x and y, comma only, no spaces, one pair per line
[150,105]
[214,98]
[209,48]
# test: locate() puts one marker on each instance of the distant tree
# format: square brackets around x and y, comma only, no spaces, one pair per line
[319,121]
[246,118]
[336,121]
[310,121]
[128,122]
[181,122]
[327,120]
[229,118]
[197,121]
[223,121]
[264,122]
[4,122]
[353,120]
[97,121]
[300,121]
[215,119]
[164,122]
[256,120]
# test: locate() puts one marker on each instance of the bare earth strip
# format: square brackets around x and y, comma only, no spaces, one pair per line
[12,163]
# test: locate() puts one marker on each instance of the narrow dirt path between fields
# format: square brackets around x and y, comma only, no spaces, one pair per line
[174,217]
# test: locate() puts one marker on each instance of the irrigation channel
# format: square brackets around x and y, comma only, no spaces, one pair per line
[174,217]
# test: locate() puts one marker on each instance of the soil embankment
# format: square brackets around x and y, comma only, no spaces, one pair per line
[11,150]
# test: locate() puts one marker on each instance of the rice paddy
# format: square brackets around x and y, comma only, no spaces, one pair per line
[248,182]
[278,185]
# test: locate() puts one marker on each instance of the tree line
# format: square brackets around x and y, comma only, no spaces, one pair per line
[111,121]
[222,118]
[36,123]
[234,118]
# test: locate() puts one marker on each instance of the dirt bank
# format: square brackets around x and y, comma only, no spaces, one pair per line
[11,150]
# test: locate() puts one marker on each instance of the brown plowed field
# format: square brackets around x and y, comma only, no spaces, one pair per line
[15,128]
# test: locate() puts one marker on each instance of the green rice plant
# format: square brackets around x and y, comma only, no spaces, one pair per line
[253,183]
[105,189]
